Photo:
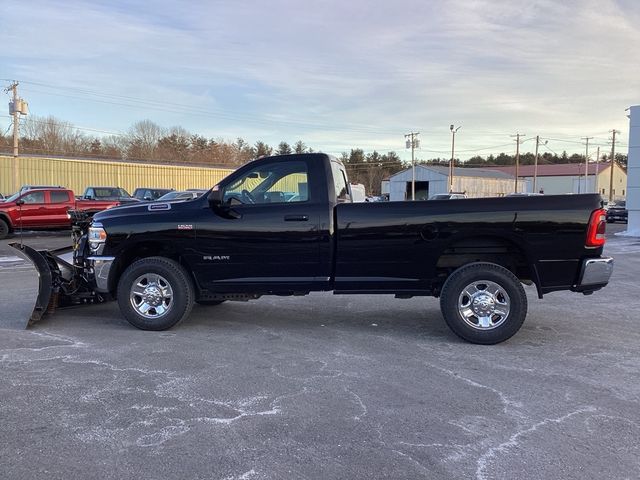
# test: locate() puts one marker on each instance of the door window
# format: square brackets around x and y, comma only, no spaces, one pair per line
[59,196]
[340,183]
[278,182]
[33,197]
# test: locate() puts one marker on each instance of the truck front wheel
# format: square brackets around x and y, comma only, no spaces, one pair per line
[155,293]
[483,303]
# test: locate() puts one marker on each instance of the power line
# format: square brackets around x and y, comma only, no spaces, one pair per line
[126,100]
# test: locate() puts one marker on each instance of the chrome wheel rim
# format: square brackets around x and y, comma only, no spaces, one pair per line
[484,305]
[151,295]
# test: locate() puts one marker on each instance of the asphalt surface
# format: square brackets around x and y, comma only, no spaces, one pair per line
[323,387]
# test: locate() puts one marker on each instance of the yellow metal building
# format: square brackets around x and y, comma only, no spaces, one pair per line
[78,174]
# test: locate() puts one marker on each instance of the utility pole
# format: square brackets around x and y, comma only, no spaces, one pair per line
[452,162]
[413,143]
[517,135]
[535,164]
[586,166]
[16,117]
[613,162]
[15,112]
[595,182]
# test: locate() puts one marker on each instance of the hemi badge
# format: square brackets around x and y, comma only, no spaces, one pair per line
[185,227]
[158,206]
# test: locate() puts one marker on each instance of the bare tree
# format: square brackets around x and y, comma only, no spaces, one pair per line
[143,140]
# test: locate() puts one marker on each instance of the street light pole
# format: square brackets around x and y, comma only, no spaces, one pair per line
[451,162]
[613,163]
[595,181]
[535,166]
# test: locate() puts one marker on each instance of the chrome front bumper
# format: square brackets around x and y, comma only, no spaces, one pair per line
[100,268]
[595,271]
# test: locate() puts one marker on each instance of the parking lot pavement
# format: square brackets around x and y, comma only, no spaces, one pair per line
[325,387]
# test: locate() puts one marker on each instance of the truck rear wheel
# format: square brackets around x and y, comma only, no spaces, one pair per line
[483,303]
[155,293]
[4,229]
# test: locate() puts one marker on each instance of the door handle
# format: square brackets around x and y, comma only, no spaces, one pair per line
[296,218]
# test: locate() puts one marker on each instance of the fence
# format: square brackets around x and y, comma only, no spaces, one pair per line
[78,174]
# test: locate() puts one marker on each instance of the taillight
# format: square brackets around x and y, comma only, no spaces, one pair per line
[596,228]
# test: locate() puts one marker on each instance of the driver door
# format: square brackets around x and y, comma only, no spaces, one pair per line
[268,239]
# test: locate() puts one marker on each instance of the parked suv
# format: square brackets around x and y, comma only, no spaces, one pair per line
[618,212]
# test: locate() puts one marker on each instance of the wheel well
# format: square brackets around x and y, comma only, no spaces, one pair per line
[500,251]
[6,220]
[143,250]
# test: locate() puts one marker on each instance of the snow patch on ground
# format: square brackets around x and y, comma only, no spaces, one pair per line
[629,233]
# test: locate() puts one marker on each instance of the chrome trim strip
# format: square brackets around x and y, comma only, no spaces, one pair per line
[101,268]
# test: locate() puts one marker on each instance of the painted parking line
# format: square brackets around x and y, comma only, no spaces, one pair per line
[11,262]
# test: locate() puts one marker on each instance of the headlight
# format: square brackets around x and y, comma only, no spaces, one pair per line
[97,237]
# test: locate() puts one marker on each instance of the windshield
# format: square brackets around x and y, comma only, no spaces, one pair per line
[13,197]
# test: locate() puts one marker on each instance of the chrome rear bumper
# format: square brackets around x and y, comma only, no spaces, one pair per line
[595,272]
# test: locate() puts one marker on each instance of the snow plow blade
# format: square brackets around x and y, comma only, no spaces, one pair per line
[60,284]
[32,309]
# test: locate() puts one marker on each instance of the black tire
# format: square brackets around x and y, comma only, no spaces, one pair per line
[156,273]
[4,229]
[459,309]
[209,303]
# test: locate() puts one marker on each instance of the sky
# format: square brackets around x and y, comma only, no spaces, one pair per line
[335,74]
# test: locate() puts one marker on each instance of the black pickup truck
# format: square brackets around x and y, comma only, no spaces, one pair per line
[286,225]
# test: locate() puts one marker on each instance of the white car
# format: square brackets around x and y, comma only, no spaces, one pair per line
[447,196]
[180,195]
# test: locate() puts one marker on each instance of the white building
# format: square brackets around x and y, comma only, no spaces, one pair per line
[433,179]
[561,178]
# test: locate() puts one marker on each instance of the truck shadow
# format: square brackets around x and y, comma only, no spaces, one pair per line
[319,316]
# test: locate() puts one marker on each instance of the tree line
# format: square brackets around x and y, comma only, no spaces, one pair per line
[144,141]
[147,141]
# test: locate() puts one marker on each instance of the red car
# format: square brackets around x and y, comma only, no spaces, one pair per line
[44,208]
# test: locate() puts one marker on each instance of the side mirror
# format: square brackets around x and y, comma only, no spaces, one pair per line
[215,198]
[216,204]
[20,202]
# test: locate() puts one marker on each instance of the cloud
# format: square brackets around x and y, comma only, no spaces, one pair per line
[336,74]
